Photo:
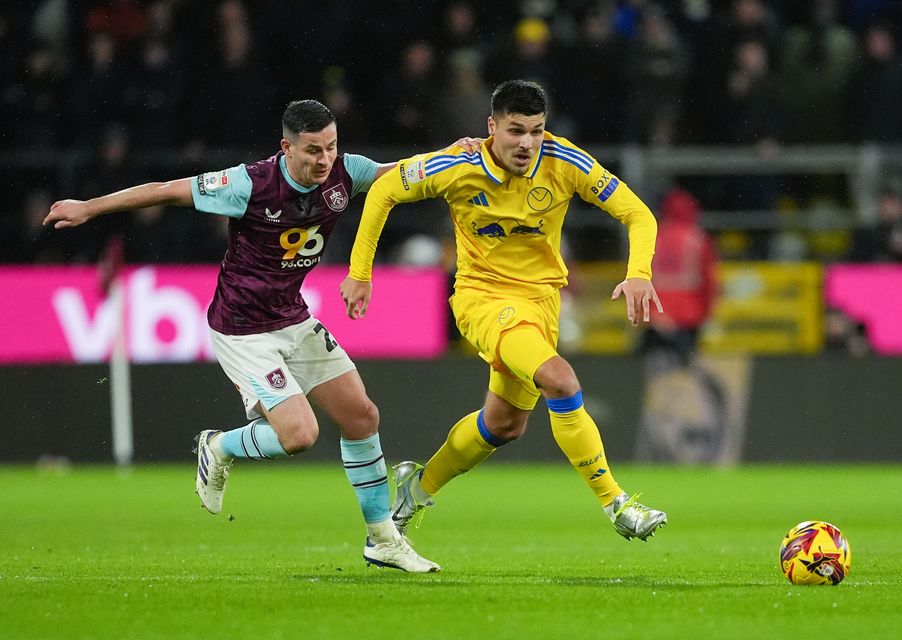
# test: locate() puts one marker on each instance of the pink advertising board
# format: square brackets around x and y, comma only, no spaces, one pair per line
[59,314]
[872,295]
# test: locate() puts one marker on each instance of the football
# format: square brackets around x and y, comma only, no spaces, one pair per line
[815,552]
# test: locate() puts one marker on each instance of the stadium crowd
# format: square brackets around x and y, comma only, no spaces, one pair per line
[97,95]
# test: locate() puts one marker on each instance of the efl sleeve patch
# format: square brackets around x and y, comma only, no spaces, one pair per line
[213,181]
[412,172]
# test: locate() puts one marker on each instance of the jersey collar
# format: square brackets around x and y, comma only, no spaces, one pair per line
[499,174]
[294,185]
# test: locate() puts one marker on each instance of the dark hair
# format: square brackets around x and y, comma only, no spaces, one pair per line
[519,96]
[303,116]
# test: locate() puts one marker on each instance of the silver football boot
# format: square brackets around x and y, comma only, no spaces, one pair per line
[405,506]
[634,520]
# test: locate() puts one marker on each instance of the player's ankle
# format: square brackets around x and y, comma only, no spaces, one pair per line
[215,444]
[384,531]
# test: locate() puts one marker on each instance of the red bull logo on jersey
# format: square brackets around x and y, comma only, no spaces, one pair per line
[277,379]
[336,198]
[507,227]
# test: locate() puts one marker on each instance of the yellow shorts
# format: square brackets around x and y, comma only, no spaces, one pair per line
[484,320]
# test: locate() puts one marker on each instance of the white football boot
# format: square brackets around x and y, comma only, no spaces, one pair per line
[212,472]
[405,505]
[634,520]
[397,554]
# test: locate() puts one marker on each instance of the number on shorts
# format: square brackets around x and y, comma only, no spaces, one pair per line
[330,343]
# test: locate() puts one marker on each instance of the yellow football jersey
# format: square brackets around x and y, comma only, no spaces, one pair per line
[507,227]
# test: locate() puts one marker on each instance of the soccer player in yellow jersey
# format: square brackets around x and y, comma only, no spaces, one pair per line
[508,201]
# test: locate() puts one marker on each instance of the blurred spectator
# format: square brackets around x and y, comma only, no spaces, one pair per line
[685,277]
[30,98]
[844,335]
[656,64]
[110,170]
[529,55]
[337,95]
[464,100]
[123,20]
[411,107]
[95,90]
[460,31]
[874,93]
[685,415]
[883,241]
[234,69]
[713,44]
[155,90]
[750,113]
[598,47]
[817,61]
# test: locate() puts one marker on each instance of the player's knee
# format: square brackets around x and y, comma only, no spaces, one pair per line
[507,428]
[556,379]
[299,437]
[360,423]
[364,423]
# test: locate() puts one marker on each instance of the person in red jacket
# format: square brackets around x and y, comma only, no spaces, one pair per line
[685,265]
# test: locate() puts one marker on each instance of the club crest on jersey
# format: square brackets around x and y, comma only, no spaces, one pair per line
[277,379]
[539,199]
[212,181]
[336,198]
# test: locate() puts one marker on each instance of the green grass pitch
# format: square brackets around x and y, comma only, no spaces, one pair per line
[94,553]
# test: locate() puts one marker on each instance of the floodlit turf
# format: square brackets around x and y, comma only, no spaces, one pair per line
[92,553]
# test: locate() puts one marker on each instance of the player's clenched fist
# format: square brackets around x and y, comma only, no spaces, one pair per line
[68,213]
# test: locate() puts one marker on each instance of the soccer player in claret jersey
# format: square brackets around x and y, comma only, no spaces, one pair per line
[507,203]
[282,211]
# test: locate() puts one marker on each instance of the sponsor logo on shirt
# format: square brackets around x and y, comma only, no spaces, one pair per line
[336,198]
[272,216]
[506,227]
[605,186]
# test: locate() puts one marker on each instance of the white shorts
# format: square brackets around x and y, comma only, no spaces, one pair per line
[271,367]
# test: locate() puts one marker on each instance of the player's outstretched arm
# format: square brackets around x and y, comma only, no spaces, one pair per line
[71,213]
[639,293]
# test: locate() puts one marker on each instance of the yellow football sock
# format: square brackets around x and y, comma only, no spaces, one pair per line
[464,449]
[577,435]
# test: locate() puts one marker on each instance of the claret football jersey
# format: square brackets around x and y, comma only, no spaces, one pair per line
[278,230]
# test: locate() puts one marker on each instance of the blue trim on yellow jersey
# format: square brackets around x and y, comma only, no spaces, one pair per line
[578,159]
[535,167]
[436,164]
[486,169]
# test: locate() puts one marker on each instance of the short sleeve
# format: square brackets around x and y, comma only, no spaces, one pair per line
[223,192]
[362,171]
